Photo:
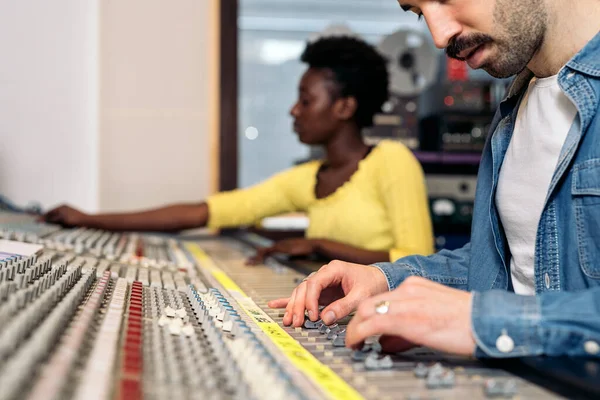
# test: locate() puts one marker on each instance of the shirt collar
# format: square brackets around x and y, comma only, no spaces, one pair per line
[586,61]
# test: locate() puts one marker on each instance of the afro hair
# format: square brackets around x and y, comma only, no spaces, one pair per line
[358,70]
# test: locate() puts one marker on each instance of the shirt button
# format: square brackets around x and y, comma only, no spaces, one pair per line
[505,344]
[591,347]
[547,280]
[570,75]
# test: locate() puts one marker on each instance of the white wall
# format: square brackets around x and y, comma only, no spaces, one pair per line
[48,101]
[158,74]
[107,105]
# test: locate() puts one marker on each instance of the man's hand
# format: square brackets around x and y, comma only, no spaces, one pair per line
[65,216]
[420,313]
[292,247]
[339,285]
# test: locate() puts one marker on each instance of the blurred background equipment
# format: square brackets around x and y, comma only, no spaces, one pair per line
[455,112]
[413,67]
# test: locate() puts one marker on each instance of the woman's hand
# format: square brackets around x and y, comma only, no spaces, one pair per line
[292,247]
[66,216]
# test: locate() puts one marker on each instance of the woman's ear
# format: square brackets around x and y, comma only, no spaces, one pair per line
[345,108]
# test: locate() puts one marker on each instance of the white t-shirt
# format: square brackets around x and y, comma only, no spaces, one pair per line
[543,121]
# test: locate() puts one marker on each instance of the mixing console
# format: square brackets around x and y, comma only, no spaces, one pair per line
[87,314]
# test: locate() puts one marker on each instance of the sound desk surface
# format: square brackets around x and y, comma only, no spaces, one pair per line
[99,315]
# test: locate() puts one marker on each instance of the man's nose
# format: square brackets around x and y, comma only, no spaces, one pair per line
[442,25]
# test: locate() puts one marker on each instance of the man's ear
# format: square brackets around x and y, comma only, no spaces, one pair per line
[345,108]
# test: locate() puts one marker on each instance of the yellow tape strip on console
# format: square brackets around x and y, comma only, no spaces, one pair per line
[207,264]
[327,380]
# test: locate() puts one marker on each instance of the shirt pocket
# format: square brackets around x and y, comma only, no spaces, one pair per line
[586,198]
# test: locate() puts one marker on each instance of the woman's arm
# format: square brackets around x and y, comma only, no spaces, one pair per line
[165,219]
[278,194]
[339,251]
[329,249]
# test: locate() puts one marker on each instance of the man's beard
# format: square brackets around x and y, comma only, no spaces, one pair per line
[520,33]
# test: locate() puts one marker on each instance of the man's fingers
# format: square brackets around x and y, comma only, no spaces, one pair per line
[395,318]
[368,321]
[379,324]
[366,309]
[279,303]
[340,308]
[299,305]
[409,291]
[327,276]
[287,317]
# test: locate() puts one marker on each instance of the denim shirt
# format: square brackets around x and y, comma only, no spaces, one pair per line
[563,318]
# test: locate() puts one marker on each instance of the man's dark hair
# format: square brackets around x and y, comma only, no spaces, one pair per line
[358,70]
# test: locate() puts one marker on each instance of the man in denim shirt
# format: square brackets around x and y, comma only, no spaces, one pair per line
[529,281]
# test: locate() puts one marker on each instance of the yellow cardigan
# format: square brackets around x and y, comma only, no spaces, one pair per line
[383,207]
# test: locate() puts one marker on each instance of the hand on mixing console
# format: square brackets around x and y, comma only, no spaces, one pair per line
[339,285]
[65,216]
[418,313]
[292,247]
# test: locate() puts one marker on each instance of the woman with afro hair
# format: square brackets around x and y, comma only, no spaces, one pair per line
[365,204]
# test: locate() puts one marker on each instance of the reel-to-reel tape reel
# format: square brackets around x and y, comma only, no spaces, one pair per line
[413,65]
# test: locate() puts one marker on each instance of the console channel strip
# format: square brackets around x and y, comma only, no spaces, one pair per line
[317,351]
[92,314]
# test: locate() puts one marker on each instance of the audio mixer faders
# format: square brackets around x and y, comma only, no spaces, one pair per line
[88,314]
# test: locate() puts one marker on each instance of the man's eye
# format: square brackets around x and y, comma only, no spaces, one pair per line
[418,12]
[412,9]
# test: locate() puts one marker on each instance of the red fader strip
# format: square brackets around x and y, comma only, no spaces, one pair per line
[131,363]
